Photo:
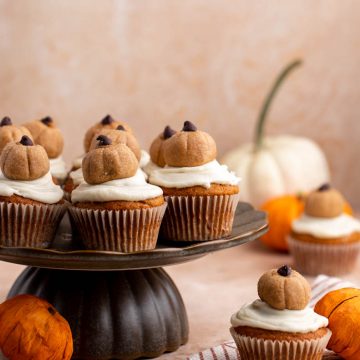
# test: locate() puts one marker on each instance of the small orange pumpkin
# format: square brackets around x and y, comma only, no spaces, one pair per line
[31,328]
[342,308]
[282,211]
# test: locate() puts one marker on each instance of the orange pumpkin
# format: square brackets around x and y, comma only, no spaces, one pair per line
[31,328]
[342,308]
[282,211]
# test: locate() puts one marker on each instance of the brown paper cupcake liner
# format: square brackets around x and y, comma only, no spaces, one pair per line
[118,230]
[199,218]
[29,225]
[330,259]
[251,348]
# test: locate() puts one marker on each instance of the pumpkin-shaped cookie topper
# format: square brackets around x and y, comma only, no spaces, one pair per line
[157,146]
[189,147]
[24,160]
[325,202]
[342,308]
[10,132]
[284,288]
[31,328]
[106,123]
[108,162]
[119,136]
[48,135]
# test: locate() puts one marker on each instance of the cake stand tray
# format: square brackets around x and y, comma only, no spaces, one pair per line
[128,314]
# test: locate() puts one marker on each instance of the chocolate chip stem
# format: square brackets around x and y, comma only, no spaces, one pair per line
[189,126]
[324,187]
[284,270]
[103,140]
[47,120]
[168,132]
[26,141]
[6,121]
[107,120]
[120,127]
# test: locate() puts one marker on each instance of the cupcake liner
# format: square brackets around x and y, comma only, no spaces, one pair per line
[118,230]
[252,348]
[199,218]
[329,259]
[34,226]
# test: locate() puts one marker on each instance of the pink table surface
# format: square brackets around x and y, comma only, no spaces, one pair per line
[212,288]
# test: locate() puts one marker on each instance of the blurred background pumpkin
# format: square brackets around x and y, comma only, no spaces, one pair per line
[274,166]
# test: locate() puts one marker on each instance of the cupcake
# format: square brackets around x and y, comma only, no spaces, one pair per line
[31,205]
[202,195]
[325,240]
[280,325]
[10,132]
[48,135]
[156,157]
[115,209]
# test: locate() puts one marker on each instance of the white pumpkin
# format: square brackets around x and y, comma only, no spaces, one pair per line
[275,166]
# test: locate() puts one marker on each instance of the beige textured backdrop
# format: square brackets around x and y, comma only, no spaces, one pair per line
[156,62]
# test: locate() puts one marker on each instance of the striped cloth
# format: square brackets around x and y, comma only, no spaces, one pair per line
[228,351]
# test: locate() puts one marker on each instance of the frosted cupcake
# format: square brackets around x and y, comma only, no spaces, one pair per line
[48,135]
[325,240]
[115,209]
[202,195]
[280,325]
[10,132]
[31,205]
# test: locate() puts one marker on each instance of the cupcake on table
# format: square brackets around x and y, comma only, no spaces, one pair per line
[280,325]
[202,195]
[115,209]
[31,205]
[48,135]
[325,240]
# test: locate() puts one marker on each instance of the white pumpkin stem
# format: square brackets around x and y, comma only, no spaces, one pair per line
[260,124]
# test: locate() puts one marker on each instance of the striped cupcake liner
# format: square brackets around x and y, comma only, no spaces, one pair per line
[329,259]
[32,226]
[199,218]
[118,230]
[252,348]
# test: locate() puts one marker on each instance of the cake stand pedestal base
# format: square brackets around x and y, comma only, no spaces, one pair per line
[113,314]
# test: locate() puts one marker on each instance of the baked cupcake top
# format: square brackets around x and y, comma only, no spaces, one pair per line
[108,122]
[190,157]
[324,215]
[25,172]
[10,132]
[283,305]
[111,172]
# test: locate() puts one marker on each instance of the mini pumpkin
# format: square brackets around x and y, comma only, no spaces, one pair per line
[342,308]
[284,288]
[325,202]
[24,160]
[48,135]
[10,132]
[157,146]
[108,162]
[31,328]
[106,123]
[190,147]
[282,211]
[119,136]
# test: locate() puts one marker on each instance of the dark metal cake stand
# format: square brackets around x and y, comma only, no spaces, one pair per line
[120,306]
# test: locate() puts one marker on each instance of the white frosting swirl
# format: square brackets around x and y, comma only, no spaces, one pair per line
[260,315]
[134,188]
[77,176]
[150,167]
[145,158]
[43,189]
[58,168]
[203,175]
[77,162]
[339,226]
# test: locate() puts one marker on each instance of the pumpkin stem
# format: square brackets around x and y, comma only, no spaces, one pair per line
[260,124]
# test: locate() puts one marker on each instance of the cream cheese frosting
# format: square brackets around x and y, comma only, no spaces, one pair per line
[77,162]
[150,167]
[145,158]
[260,315]
[77,176]
[58,167]
[339,226]
[134,188]
[203,175]
[42,189]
